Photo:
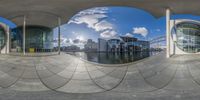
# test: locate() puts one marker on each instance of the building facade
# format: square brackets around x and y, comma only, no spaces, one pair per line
[37,38]
[102,45]
[114,45]
[90,45]
[185,36]
[71,48]
[122,44]
[4,39]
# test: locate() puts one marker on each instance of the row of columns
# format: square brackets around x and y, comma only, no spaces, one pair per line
[24,34]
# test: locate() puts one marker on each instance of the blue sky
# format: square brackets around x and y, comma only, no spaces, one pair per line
[112,22]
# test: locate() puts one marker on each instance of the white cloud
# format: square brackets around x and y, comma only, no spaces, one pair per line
[128,35]
[103,25]
[90,17]
[158,30]
[95,18]
[80,39]
[68,41]
[140,30]
[74,33]
[89,20]
[108,34]
[65,41]
[97,10]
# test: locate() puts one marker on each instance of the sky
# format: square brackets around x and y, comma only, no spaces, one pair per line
[111,22]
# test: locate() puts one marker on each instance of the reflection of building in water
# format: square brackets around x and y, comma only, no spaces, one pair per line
[122,44]
[90,45]
[70,48]
[112,58]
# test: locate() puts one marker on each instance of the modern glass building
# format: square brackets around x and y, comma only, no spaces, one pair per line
[114,45]
[37,39]
[123,44]
[2,37]
[185,37]
[188,36]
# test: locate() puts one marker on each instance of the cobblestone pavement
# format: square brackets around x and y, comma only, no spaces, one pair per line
[65,77]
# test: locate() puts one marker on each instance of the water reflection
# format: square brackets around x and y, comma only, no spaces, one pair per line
[112,58]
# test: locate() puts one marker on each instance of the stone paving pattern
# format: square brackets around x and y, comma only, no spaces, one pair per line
[65,77]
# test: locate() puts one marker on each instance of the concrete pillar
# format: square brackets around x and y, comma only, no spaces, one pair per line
[8,40]
[24,35]
[168,33]
[59,23]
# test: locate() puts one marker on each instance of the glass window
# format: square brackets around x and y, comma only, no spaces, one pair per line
[38,37]
[2,37]
[188,36]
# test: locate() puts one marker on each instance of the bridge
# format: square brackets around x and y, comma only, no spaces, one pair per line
[158,42]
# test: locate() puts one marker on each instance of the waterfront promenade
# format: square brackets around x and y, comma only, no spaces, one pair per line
[66,77]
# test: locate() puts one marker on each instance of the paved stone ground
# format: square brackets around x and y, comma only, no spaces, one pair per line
[65,77]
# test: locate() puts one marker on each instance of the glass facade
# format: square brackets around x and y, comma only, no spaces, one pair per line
[188,36]
[37,39]
[2,37]
[114,45]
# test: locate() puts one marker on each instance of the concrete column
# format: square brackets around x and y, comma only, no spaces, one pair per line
[8,40]
[168,33]
[24,35]
[59,23]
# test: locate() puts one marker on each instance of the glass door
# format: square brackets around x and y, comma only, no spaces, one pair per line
[2,38]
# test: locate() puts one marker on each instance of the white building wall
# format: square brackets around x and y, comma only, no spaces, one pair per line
[102,45]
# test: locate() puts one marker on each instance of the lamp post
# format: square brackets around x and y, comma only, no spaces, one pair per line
[24,34]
